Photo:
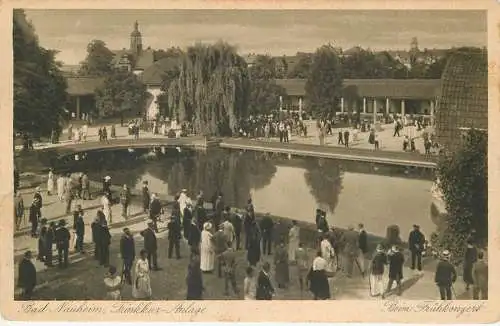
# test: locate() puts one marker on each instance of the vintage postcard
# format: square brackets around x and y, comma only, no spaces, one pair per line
[250,161]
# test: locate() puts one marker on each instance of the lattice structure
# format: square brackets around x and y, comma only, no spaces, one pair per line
[463,100]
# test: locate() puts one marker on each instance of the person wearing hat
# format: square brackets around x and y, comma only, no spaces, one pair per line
[265,289]
[207,250]
[27,276]
[38,197]
[377,267]
[106,184]
[125,200]
[105,241]
[42,248]
[237,221]
[62,236]
[318,278]
[187,216]
[174,237]
[416,242]
[35,216]
[267,228]
[151,245]
[194,236]
[220,244]
[79,232]
[146,197]
[155,211]
[445,276]
[127,253]
[396,261]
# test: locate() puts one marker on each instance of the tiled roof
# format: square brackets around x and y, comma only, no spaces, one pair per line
[153,74]
[380,88]
[83,85]
[145,59]
[118,55]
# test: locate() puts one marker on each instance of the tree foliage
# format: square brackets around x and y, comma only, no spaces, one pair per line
[366,64]
[324,85]
[98,60]
[263,68]
[463,178]
[302,68]
[210,88]
[172,52]
[121,91]
[39,86]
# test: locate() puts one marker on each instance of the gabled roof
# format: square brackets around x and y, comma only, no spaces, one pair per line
[119,55]
[145,59]
[152,76]
[78,86]
[380,88]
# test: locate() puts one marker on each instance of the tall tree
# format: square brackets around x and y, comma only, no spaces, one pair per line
[463,178]
[264,96]
[98,60]
[263,68]
[324,85]
[121,92]
[39,86]
[211,89]
[302,68]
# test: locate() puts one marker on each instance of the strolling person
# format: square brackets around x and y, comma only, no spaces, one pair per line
[249,285]
[187,217]
[377,268]
[207,251]
[265,289]
[42,252]
[105,241]
[346,138]
[227,227]
[229,268]
[96,233]
[85,187]
[220,245]
[302,265]
[62,236]
[445,276]
[340,137]
[318,278]
[155,211]
[35,216]
[106,207]
[127,252]
[253,249]
[194,279]
[50,237]
[351,250]
[480,277]
[237,221]
[194,236]
[151,246]
[113,284]
[293,241]
[80,233]
[60,187]
[395,260]
[363,247]
[469,260]
[174,237]
[141,289]
[266,228]
[125,201]
[19,210]
[416,242]
[281,266]
[146,197]
[50,183]
[27,276]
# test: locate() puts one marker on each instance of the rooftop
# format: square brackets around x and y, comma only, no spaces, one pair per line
[83,85]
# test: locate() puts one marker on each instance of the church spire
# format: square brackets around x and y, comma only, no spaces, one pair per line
[136,39]
[136,26]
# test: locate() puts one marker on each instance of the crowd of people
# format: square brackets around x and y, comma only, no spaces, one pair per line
[215,238]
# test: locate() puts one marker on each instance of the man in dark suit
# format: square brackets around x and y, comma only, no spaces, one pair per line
[96,233]
[151,246]
[220,242]
[237,221]
[127,252]
[363,247]
[416,242]
[265,289]
[266,228]
[27,276]
[80,233]
[187,216]
[62,243]
[480,277]
[35,216]
[154,211]
[174,236]
[396,261]
[105,241]
[146,198]
[445,276]
[194,237]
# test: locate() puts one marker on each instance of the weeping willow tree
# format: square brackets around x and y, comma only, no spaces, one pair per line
[210,88]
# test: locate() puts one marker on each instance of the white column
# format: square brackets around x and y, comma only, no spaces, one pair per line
[403,108]
[300,106]
[342,105]
[281,103]
[364,104]
[432,112]
[387,106]
[78,117]
[374,110]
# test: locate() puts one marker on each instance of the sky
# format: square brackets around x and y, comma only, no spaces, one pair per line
[274,32]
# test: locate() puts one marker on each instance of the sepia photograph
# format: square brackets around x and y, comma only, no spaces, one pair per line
[229,154]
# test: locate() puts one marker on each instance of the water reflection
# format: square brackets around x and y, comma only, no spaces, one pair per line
[294,188]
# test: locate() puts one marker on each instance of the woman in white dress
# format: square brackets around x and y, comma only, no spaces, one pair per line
[106,208]
[50,183]
[293,243]
[183,201]
[113,284]
[327,253]
[250,285]
[60,187]
[141,289]
[207,253]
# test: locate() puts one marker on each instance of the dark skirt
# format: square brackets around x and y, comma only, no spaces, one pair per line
[319,285]
[468,274]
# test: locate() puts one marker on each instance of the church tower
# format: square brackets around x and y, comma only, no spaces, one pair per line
[136,40]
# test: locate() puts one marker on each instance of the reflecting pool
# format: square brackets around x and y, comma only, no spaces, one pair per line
[350,192]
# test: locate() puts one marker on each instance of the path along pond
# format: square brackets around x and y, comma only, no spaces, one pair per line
[292,187]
